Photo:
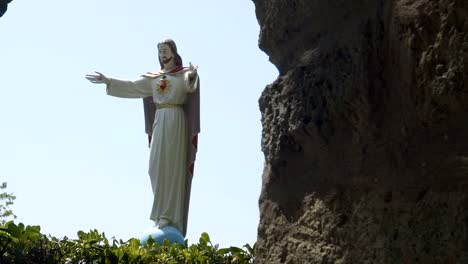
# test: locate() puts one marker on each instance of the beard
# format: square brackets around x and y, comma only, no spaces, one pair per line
[166,60]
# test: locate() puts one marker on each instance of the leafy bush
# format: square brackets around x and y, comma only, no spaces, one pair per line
[26,244]
[6,200]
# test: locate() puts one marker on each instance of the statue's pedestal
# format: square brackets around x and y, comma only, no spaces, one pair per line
[159,235]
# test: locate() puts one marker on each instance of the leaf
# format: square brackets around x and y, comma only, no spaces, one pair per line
[236,249]
[224,251]
[82,235]
[250,249]
[205,238]
[13,229]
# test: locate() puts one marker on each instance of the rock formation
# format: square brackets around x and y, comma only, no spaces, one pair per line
[365,132]
[4,6]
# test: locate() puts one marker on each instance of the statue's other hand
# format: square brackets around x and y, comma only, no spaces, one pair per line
[193,70]
[97,78]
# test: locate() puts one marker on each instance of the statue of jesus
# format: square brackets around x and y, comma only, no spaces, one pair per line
[173,142]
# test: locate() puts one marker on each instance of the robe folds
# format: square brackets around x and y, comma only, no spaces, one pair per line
[173,139]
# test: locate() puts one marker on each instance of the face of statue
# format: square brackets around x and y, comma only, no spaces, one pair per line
[165,54]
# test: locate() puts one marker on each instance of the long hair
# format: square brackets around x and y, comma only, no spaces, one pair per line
[173,47]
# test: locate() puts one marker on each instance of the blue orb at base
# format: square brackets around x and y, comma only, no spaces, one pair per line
[170,233]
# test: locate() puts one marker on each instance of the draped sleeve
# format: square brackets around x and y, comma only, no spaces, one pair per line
[139,88]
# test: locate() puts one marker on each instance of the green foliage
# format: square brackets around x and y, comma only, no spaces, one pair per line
[6,200]
[25,244]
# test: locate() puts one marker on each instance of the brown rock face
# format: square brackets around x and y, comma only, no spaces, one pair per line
[365,132]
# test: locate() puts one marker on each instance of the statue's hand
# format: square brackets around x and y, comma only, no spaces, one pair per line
[193,70]
[97,78]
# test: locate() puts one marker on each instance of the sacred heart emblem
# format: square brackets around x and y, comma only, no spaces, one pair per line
[163,86]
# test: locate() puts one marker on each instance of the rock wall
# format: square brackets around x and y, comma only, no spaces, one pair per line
[4,6]
[365,132]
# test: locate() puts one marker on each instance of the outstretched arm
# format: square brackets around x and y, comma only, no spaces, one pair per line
[124,89]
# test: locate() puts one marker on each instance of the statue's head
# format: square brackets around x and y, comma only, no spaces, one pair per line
[167,51]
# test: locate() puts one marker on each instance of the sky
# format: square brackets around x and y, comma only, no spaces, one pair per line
[77,159]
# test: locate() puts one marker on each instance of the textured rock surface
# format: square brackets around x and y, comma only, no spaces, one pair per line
[4,6]
[365,132]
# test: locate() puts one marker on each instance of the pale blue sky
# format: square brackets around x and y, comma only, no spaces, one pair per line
[77,159]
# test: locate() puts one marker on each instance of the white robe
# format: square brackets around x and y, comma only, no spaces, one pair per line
[168,151]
